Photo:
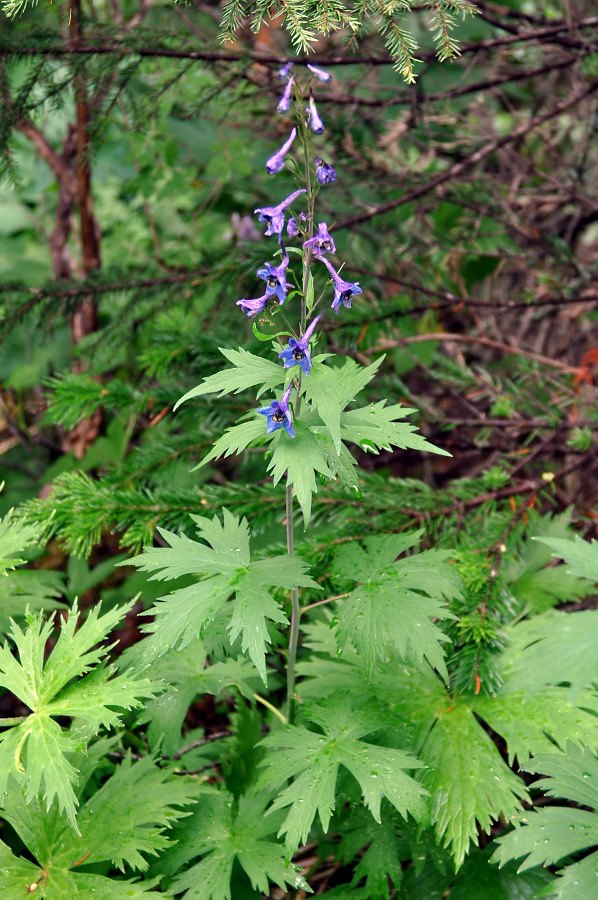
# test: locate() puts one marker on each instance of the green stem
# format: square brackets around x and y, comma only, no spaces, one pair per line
[295,607]
[295,613]
[13,720]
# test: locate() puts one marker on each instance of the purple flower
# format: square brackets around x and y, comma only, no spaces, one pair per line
[279,414]
[254,306]
[293,227]
[274,215]
[283,72]
[317,126]
[319,73]
[285,100]
[343,290]
[276,162]
[297,352]
[275,278]
[325,173]
[322,242]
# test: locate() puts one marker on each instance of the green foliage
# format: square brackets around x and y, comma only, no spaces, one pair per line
[306,20]
[224,559]
[122,823]
[396,602]
[315,757]
[549,835]
[221,831]
[68,683]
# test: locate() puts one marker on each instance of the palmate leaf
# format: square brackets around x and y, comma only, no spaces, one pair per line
[236,439]
[15,538]
[299,458]
[220,832]
[123,823]
[247,371]
[553,648]
[550,834]
[375,427]
[36,750]
[330,389]
[469,783]
[186,675]
[395,603]
[382,858]
[581,556]
[312,759]
[533,584]
[182,616]
[32,590]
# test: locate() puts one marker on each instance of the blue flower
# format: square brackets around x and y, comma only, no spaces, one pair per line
[276,161]
[343,290]
[275,278]
[283,72]
[325,173]
[317,126]
[279,414]
[297,352]
[274,215]
[254,306]
[322,242]
[285,100]
[320,73]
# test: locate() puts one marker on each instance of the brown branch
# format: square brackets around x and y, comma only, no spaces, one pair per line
[537,34]
[64,173]
[532,486]
[477,86]
[474,339]
[465,165]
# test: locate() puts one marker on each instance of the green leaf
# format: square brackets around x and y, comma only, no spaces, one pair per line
[395,603]
[313,759]
[470,784]
[248,370]
[545,836]
[236,439]
[182,617]
[299,458]
[382,858]
[15,538]
[581,556]
[375,427]
[122,824]
[36,750]
[186,675]
[331,389]
[219,833]
[552,649]
[532,724]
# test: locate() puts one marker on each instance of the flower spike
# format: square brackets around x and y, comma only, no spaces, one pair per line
[322,242]
[276,161]
[324,173]
[279,415]
[275,277]
[343,290]
[317,126]
[274,215]
[297,352]
[285,100]
[254,306]
[320,73]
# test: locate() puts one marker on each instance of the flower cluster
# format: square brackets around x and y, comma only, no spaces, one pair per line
[315,246]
